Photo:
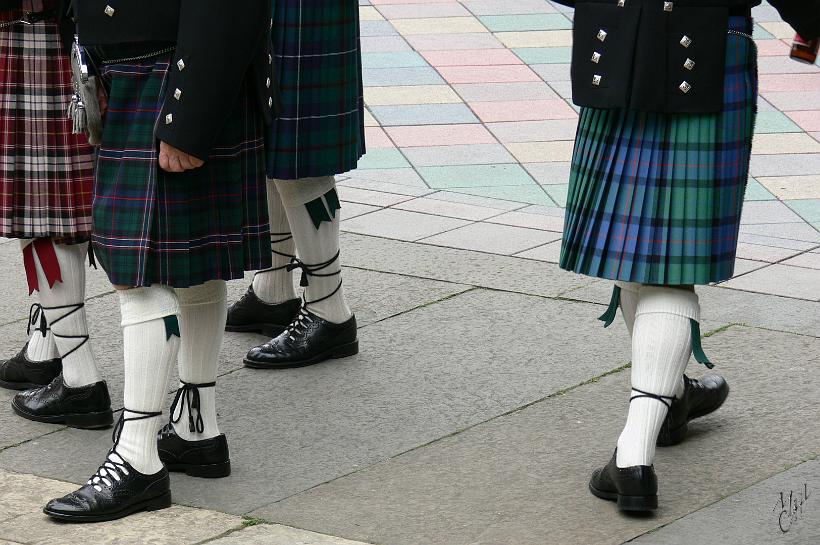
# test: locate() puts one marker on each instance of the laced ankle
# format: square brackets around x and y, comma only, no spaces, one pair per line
[74,308]
[115,467]
[188,394]
[666,400]
[284,238]
[313,271]
[37,320]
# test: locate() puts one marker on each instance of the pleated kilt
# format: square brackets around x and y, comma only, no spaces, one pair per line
[176,229]
[657,198]
[45,172]
[317,58]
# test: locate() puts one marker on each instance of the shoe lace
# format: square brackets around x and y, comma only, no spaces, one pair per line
[298,327]
[37,319]
[188,395]
[666,400]
[114,468]
[307,271]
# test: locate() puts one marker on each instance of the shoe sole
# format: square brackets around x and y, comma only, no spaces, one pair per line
[339,352]
[209,471]
[153,504]
[670,438]
[269,330]
[627,503]
[83,421]
[20,386]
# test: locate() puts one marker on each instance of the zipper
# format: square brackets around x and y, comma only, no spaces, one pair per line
[140,57]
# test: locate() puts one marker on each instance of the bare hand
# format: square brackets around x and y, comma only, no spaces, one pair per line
[172,159]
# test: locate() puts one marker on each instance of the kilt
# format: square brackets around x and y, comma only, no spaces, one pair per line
[176,229]
[317,62]
[656,198]
[45,172]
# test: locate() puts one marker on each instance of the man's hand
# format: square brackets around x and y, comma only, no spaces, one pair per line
[172,159]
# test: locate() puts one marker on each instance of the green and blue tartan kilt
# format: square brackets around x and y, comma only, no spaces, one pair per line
[318,65]
[656,198]
[176,229]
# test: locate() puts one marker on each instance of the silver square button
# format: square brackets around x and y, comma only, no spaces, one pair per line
[668,6]
[178,94]
[602,35]
[596,80]
[685,87]
[686,41]
[689,64]
[109,11]
[621,3]
[181,65]
[169,119]
[596,57]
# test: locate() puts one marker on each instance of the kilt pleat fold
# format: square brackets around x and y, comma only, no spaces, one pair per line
[657,198]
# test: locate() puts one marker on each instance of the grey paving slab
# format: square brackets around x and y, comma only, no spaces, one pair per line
[493,238]
[420,376]
[756,515]
[16,430]
[26,494]
[276,534]
[522,479]
[461,266]
[781,280]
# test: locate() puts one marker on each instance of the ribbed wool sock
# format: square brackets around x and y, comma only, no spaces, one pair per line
[202,323]
[150,344]
[64,309]
[661,347]
[317,246]
[41,347]
[275,285]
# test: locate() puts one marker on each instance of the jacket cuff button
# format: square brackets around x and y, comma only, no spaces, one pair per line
[596,80]
[602,35]
[169,119]
[668,6]
[596,57]
[689,64]
[109,11]
[685,87]
[178,94]
[181,65]
[686,41]
[270,102]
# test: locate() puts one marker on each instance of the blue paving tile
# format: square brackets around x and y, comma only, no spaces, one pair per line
[423,114]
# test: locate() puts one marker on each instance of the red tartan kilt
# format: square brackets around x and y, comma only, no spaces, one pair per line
[46,176]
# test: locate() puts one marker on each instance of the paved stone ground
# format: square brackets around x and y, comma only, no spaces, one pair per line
[485,392]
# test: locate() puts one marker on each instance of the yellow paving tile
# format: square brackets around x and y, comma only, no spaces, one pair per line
[793,187]
[410,94]
[369,13]
[541,152]
[369,120]
[541,38]
[439,25]
[768,144]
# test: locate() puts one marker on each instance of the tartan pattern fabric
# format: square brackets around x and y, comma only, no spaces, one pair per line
[45,172]
[657,198]
[317,61]
[176,229]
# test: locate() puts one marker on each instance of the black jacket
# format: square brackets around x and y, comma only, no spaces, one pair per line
[661,56]
[219,45]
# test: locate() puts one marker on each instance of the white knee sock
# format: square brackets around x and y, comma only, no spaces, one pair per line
[275,285]
[41,347]
[661,347]
[202,323]
[316,246]
[629,302]
[64,308]
[150,343]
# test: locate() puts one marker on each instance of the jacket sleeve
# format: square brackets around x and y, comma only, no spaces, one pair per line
[802,15]
[216,44]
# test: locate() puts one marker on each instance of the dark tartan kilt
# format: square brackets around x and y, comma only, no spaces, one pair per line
[45,172]
[657,198]
[184,229]
[317,58]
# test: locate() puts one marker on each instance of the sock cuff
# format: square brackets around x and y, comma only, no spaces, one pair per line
[209,293]
[299,192]
[632,287]
[664,300]
[140,305]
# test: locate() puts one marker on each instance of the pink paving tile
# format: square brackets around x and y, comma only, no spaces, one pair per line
[771,48]
[792,82]
[376,138]
[488,74]
[472,57]
[532,110]
[809,121]
[440,135]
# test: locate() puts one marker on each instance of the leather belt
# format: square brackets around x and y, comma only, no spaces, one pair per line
[31,18]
